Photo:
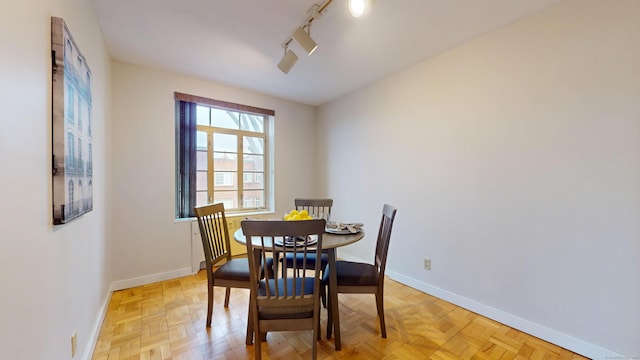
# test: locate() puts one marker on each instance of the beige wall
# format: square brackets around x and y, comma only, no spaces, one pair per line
[54,280]
[514,161]
[149,244]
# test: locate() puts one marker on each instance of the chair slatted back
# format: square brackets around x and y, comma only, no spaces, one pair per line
[214,233]
[384,237]
[318,208]
[283,288]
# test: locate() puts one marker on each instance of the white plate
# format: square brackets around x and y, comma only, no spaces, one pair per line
[298,242]
[340,232]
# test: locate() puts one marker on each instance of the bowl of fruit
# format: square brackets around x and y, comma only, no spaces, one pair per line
[295,215]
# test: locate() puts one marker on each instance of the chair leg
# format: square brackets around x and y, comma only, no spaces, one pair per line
[249,339]
[317,327]
[257,344]
[314,346]
[209,305]
[380,306]
[226,297]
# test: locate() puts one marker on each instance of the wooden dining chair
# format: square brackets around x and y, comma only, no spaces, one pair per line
[318,208]
[222,269]
[289,300]
[364,278]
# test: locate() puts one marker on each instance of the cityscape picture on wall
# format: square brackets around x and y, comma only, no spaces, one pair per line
[71,130]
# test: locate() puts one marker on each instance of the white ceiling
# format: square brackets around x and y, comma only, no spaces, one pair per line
[239,42]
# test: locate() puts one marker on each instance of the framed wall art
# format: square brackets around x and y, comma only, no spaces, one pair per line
[71,127]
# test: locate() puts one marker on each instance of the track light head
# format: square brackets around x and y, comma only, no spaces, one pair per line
[303,36]
[304,39]
[288,60]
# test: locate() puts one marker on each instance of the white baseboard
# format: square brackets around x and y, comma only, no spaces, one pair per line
[125,284]
[565,341]
[95,333]
[148,279]
[578,346]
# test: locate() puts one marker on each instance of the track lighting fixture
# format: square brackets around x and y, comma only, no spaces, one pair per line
[302,35]
[304,39]
[288,60]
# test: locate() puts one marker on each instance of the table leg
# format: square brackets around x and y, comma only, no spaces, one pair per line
[334,320]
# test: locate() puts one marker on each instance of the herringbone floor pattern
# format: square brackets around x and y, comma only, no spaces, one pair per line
[166,321]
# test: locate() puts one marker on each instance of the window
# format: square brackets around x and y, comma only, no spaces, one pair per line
[222,155]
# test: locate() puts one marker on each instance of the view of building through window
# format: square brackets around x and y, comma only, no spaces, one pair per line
[230,148]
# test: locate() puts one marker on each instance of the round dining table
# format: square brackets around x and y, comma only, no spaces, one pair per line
[330,242]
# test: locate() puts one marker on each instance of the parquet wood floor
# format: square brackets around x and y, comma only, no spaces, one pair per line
[166,320]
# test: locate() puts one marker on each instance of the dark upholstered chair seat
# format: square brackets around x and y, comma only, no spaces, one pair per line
[235,269]
[311,260]
[308,287]
[353,274]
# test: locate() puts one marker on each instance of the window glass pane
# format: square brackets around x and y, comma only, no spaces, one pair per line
[202,160]
[253,145]
[201,180]
[229,198]
[201,140]
[225,142]
[225,119]
[251,122]
[253,163]
[225,161]
[201,198]
[254,197]
[225,180]
[253,181]
[202,115]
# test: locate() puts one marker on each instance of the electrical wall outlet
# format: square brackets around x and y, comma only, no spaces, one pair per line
[427,264]
[74,344]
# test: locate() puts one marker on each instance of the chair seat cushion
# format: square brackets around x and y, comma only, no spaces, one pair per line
[308,286]
[311,260]
[351,273]
[236,269]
